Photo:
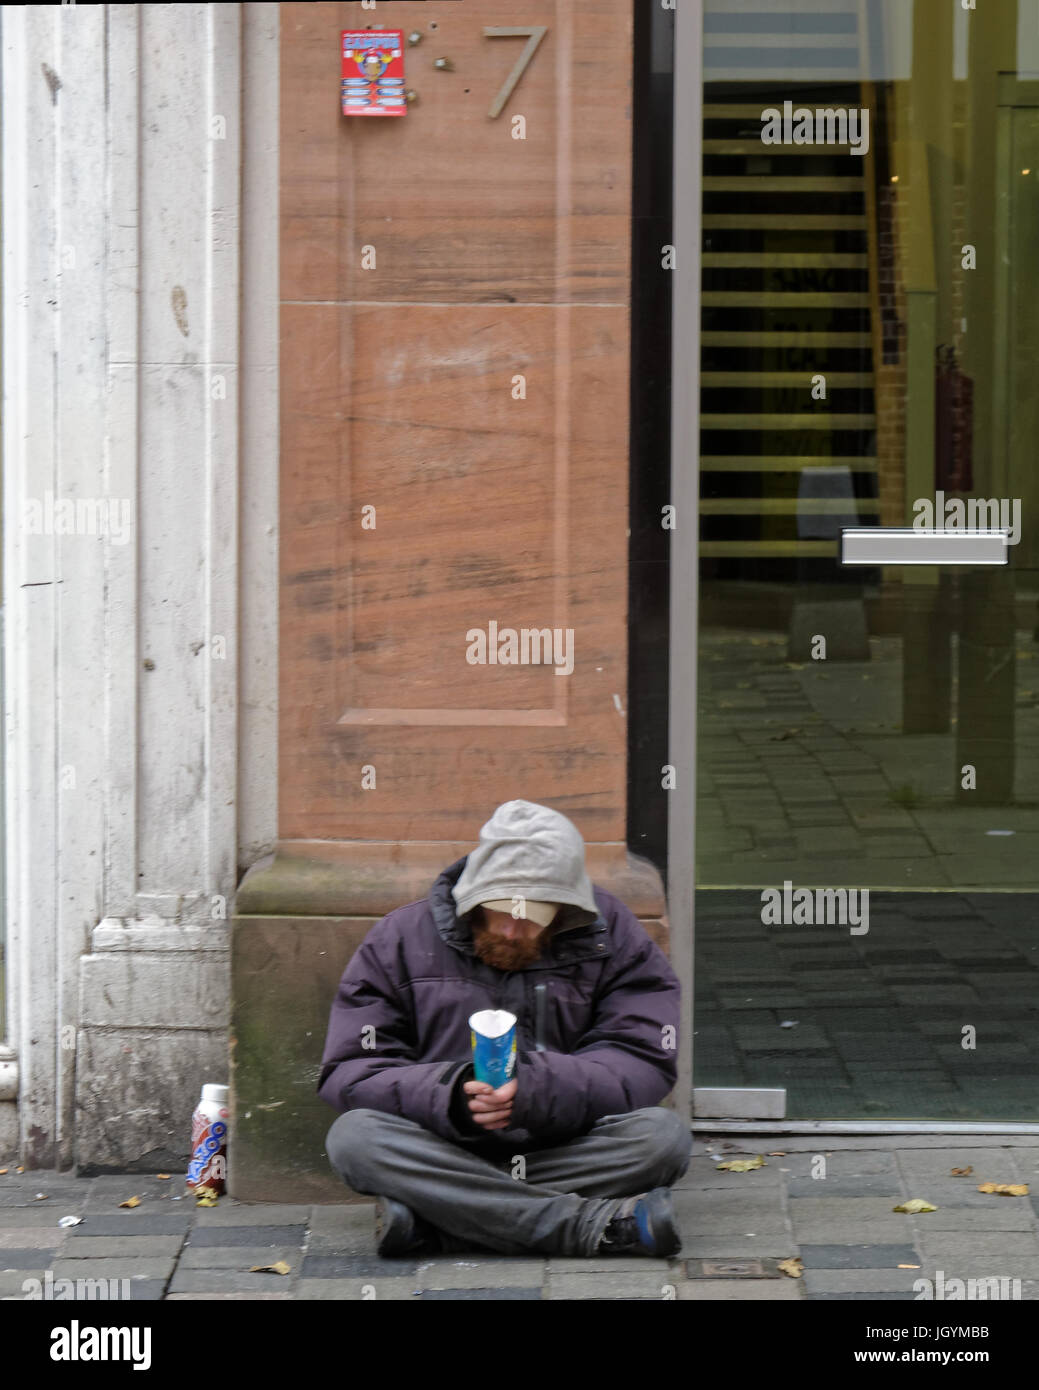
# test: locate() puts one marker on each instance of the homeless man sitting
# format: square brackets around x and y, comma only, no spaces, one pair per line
[573,1155]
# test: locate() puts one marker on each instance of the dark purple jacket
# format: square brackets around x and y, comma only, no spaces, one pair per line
[606,1019]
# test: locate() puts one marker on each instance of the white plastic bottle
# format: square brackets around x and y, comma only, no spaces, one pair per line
[208,1167]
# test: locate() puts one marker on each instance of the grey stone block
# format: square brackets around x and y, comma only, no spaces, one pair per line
[29,1238]
[346,1267]
[22,1259]
[481,1274]
[21,1217]
[606,1264]
[839,1185]
[135,1247]
[739,1247]
[256,1214]
[603,1286]
[247,1235]
[858,1256]
[741,1290]
[158,1267]
[373,1288]
[130,1225]
[860,1280]
[480,1295]
[224,1281]
[947,1248]
[239,1257]
[12,1285]
[229,1297]
[1011,1215]
[882,1297]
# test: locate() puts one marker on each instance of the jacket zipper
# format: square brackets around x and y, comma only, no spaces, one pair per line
[539,1018]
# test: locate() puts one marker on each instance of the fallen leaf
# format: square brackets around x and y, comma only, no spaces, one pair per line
[963,1172]
[2,1171]
[280,1267]
[207,1190]
[206,1202]
[777,1153]
[915,1205]
[908,1266]
[131,1202]
[742,1165]
[19,1170]
[793,1267]
[1005,1189]
[162,1176]
[40,1197]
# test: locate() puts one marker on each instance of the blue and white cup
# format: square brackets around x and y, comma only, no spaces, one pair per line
[493,1034]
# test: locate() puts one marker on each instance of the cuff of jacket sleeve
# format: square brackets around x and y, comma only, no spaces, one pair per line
[458,1111]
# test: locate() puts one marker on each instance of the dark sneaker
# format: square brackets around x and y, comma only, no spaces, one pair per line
[643,1225]
[399,1231]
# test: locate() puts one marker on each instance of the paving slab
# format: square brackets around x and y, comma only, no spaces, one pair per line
[239,1256]
[222,1236]
[617,1285]
[223,1281]
[253,1297]
[858,1256]
[257,1214]
[861,1280]
[129,1224]
[155,1267]
[479,1295]
[484,1274]
[90,1247]
[371,1289]
[29,1237]
[740,1290]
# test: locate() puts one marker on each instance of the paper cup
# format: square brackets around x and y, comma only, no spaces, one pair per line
[493,1033]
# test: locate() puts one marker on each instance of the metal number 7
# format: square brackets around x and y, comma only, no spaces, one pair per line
[533,33]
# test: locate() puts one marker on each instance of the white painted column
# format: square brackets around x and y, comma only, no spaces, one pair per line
[123,184]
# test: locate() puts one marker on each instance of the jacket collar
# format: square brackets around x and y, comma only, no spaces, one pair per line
[582,941]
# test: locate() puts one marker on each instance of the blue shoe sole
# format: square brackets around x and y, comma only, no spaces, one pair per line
[656,1224]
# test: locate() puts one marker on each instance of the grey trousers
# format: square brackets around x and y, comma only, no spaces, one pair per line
[561,1205]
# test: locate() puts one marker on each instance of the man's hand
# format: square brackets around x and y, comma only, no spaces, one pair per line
[489,1107]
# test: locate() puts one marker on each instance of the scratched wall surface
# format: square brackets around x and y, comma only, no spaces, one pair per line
[494,257]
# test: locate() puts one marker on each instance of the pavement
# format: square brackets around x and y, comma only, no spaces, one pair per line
[824,1199]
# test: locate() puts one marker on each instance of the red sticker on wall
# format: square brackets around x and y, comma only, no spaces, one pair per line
[373,72]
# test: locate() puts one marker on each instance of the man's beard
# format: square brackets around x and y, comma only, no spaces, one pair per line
[506,955]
